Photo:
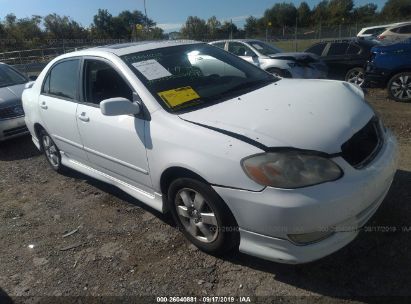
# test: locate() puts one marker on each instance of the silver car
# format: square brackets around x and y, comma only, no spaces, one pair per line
[274,60]
[12,84]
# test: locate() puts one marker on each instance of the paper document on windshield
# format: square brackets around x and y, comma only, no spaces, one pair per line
[176,97]
[151,69]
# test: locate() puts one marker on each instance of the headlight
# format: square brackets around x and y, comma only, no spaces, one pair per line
[290,169]
[292,64]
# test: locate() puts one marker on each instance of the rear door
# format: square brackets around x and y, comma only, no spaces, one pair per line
[58,103]
[336,59]
[115,145]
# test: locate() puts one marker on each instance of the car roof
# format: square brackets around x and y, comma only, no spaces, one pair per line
[399,24]
[237,40]
[121,49]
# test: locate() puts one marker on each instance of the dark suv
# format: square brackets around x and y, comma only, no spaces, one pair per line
[345,58]
[390,66]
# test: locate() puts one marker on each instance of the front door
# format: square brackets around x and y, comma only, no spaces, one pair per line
[115,145]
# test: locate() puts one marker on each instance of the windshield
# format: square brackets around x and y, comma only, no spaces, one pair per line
[186,77]
[10,77]
[265,48]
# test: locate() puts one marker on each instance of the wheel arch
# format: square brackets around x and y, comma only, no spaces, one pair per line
[172,173]
[37,129]
[398,71]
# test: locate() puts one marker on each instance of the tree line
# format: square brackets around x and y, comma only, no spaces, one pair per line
[37,31]
[326,13]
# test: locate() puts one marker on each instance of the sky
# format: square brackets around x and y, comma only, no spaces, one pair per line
[169,14]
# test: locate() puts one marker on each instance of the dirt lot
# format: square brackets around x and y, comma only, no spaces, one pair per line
[122,248]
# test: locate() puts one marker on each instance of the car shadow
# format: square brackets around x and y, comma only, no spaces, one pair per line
[4,297]
[18,148]
[118,193]
[377,263]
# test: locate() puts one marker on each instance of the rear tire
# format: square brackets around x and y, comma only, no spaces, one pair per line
[51,152]
[355,76]
[399,87]
[202,216]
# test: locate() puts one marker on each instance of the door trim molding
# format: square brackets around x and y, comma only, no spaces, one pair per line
[115,160]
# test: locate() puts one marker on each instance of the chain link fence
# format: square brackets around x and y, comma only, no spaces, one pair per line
[289,39]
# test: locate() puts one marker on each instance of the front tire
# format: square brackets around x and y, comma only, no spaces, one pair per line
[399,87]
[202,216]
[51,152]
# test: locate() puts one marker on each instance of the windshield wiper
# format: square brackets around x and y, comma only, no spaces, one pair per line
[247,85]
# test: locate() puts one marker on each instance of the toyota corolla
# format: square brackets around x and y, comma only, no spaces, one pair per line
[286,170]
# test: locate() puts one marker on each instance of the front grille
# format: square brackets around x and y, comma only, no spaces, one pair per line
[364,145]
[15,131]
[11,112]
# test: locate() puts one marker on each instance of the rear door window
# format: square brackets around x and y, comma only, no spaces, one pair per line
[405,29]
[221,45]
[317,49]
[337,48]
[353,49]
[62,79]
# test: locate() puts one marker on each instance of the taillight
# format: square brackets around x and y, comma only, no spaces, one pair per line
[381,37]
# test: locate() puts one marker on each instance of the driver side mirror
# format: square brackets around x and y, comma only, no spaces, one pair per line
[119,106]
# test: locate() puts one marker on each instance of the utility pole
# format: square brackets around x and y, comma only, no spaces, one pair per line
[296,33]
[145,13]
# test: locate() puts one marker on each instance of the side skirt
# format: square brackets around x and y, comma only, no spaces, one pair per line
[155,200]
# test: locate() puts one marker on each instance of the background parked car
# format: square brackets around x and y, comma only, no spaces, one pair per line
[345,58]
[373,31]
[390,66]
[273,60]
[12,84]
[398,32]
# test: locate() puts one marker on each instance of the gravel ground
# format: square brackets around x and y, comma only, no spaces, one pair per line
[71,235]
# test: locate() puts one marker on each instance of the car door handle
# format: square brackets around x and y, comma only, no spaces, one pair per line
[84,117]
[43,105]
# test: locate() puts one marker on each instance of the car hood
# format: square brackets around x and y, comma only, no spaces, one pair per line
[11,95]
[317,115]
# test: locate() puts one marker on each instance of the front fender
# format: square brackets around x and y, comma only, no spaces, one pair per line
[173,142]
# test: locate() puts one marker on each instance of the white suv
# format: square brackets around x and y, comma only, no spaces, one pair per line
[283,169]
[274,60]
[398,32]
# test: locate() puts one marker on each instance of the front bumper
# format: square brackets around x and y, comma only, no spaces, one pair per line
[12,127]
[266,218]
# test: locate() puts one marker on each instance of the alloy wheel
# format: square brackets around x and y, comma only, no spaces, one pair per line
[51,151]
[356,77]
[401,87]
[196,215]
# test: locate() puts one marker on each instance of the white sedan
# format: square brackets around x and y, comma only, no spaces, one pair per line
[286,170]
